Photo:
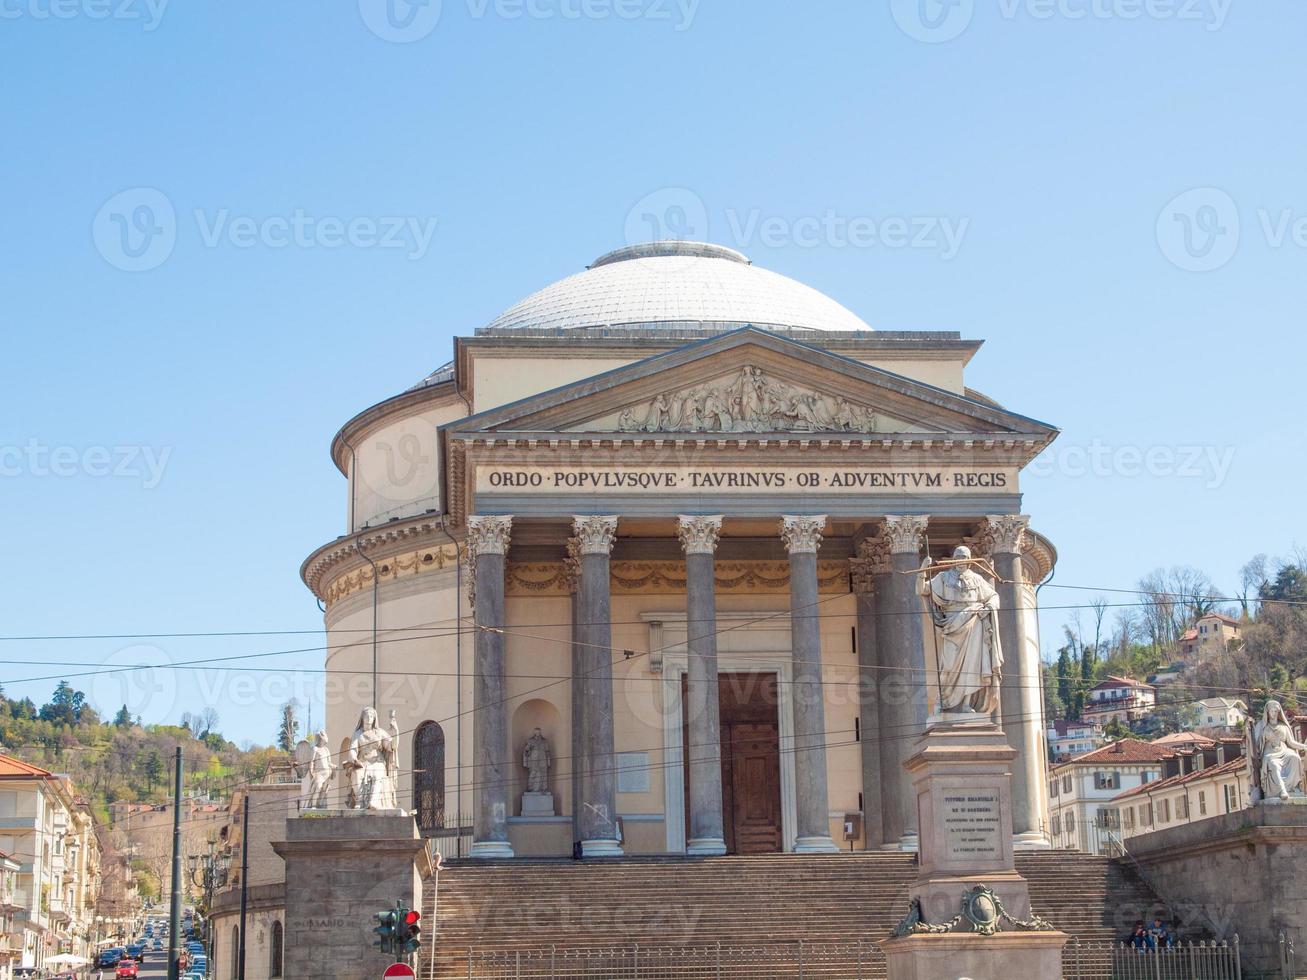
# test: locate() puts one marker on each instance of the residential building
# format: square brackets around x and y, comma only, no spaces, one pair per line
[1196,784]
[11,933]
[1122,699]
[1081,791]
[1210,634]
[51,836]
[1218,715]
[1068,739]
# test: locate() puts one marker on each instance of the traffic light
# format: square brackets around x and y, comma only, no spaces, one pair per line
[410,933]
[388,928]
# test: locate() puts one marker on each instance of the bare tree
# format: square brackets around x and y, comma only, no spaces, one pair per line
[1252,577]
[208,721]
[1098,605]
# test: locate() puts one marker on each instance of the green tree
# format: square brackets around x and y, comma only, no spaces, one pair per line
[153,770]
[288,731]
[1065,689]
[123,719]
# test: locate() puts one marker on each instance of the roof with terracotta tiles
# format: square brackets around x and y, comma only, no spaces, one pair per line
[1171,782]
[11,768]
[1126,752]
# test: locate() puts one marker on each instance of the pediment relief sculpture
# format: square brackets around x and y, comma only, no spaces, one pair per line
[751,401]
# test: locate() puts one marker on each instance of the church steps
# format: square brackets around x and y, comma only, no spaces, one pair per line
[662,901]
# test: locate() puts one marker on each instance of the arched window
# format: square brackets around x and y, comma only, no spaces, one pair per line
[429,776]
[278,935]
[235,952]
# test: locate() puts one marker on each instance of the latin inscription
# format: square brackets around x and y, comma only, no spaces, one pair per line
[971,826]
[687,479]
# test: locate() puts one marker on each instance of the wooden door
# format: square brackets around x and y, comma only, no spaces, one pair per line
[753,805]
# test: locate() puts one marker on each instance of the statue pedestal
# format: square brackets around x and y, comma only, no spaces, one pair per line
[342,866]
[538,805]
[967,880]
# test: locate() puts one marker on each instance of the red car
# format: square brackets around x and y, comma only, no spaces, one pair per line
[127,970]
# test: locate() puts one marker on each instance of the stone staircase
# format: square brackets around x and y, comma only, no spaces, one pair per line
[502,908]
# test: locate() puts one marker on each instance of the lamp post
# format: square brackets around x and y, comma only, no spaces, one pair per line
[209,872]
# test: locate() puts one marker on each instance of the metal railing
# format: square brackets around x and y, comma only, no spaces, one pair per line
[794,960]
[452,838]
[1287,966]
[1100,960]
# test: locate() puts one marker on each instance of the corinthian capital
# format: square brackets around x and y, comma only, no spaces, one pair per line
[904,532]
[872,560]
[699,534]
[1005,533]
[803,533]
[488,535]
[596,533]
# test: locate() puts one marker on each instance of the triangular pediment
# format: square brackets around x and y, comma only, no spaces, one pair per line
[749,381]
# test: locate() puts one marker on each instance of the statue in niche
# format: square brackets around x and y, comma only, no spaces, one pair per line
[536,761]
[1274,756]
[537,801]
[373,763]
[963,606]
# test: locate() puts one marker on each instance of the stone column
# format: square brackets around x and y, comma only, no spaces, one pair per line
[801,536]
[868,572]
[594,634]
[1020,691]
[573,565]
[487,542]
[903,696]
[703,754]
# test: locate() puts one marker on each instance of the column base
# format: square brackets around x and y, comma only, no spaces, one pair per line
[490,849]
[706,846]
[1031,840]
[815,845]
[910,842]
[601,849]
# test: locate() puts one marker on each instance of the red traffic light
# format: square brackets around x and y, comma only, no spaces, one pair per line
[411,919]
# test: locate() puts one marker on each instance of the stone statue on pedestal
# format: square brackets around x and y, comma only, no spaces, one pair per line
[963,605]
[316,772]
[1274,757]
[373,763]
[537,801]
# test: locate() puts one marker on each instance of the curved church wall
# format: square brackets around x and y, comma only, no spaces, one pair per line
[394,469]
[417,672]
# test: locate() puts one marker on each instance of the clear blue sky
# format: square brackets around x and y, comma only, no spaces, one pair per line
[1054,139]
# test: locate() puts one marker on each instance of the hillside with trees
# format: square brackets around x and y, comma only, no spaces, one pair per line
[122,759]
[1138,634]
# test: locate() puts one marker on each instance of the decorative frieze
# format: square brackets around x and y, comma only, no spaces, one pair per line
[388,569]
[802,533]
[699,534]
[595,533]
[668,578]
[904,532]
[751,401]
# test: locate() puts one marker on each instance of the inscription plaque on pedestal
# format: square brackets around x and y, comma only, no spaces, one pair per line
[972,826]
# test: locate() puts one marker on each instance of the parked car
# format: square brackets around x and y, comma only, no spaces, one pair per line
[111,956]
[136,951]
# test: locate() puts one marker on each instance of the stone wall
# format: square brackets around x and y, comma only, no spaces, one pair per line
[1243,872]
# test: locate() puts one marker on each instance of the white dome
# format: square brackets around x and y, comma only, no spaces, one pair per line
[677,282]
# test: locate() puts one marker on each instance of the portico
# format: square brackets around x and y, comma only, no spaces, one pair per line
[628,521]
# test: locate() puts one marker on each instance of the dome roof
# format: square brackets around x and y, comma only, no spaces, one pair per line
[676,282]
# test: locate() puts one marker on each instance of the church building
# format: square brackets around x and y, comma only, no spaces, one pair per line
[636,569]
